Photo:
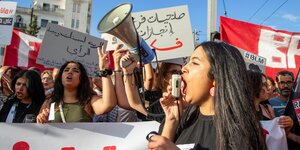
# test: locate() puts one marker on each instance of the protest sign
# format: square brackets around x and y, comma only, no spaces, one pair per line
[77,136]
[112,42]
[253,61]
[62,44]
[280,48]
[166,30]
[7,14]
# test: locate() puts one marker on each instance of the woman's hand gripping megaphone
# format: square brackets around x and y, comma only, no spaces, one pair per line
[132,62]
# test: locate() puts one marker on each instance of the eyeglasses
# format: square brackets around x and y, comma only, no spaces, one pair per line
[288,83]
[47,79]
[174,72]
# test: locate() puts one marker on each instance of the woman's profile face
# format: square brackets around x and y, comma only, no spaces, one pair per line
[71,75]
[196,83]
[263,95]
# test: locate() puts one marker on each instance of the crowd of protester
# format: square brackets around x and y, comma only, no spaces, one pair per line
[220,106]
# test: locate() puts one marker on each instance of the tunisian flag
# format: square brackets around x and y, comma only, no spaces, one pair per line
[280,48]
[22,51]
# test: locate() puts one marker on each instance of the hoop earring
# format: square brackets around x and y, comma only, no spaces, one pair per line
[212,91]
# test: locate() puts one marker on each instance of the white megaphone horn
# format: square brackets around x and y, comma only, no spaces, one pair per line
[118,22]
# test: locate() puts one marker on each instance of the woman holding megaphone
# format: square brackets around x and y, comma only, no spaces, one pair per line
[221,114]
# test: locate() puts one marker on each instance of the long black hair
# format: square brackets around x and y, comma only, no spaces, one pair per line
[255,82]
[235,119]
[34,87]
[84,91]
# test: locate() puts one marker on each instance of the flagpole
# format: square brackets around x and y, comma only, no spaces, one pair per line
[1,53]
[211,17]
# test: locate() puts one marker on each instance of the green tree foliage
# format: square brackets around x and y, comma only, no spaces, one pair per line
[33,28]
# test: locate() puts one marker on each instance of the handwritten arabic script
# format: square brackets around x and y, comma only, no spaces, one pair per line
[61,44]
[166,30]
[72,50]
[156,25]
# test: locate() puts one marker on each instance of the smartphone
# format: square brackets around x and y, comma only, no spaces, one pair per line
[176,85]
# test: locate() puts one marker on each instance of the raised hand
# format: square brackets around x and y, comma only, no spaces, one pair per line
[285,122]
[130,68]
[103,58]
[171,106]
[7,81]
[43,116]
[117,55]
[157,142]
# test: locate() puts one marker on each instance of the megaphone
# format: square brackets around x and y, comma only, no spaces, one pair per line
[118,22]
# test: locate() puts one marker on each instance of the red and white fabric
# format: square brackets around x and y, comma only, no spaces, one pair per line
[280,48]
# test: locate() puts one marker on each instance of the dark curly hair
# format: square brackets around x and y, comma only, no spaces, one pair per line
[84,91]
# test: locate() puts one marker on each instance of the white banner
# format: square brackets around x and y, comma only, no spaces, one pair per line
[62,44]
[76,136]
[275,135]
[7,14]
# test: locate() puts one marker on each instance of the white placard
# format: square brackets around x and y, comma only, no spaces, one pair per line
[7,14]
[166,30]
[253,61]
[77,136]
[112,42]
[62,44]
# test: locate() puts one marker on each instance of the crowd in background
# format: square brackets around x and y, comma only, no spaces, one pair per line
[220,106]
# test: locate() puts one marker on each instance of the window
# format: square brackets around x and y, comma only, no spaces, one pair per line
[46,7]
[19,19]
[77,24]
[78,8]
[74,7]
[55,7]
[72,23]
[54,22]
[44,22]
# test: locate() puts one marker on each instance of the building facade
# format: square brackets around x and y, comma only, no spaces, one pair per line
[74,14]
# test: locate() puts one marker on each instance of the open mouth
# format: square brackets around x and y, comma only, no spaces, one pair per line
[69,77]
[183,87]
[19,94]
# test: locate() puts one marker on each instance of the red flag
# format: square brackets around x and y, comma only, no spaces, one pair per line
[22,51]
[280,48]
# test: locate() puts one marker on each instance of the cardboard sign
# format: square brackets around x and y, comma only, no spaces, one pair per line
[112,42]
[77,136]
[62,44]
[7,14]
[254,62]
[167,30]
